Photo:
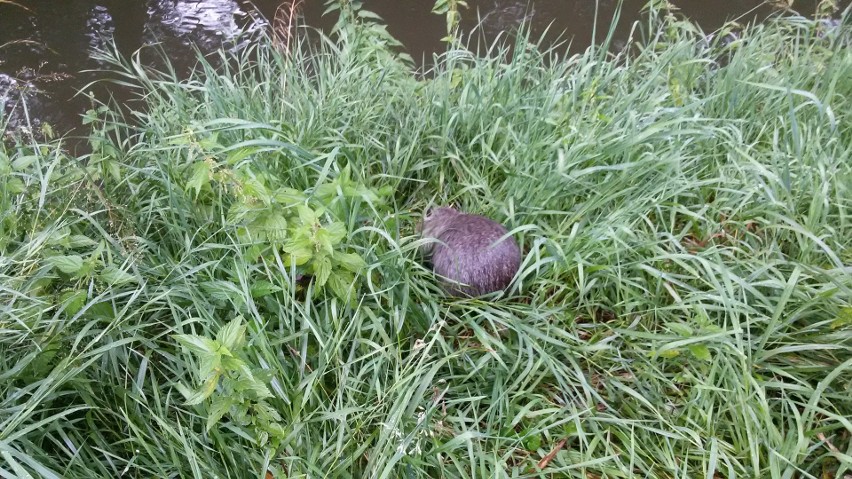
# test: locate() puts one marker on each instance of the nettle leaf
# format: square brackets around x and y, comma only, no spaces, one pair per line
[80,241]
[288,196]
[69,264]
[342,284]
[210,363]
[263,438]
[239,155]
[322,241]
[253,188]
[210,143]
[322,270]
[350,261]
[233,334]
[231,363]
[701,352]
[263,288]
[336,231]
[73,301]
[669,353]
[221,405]
[115,276]
[680,328]
[252,387]
[307,216]
[273,225]
[532,442]
[112,168]
[184,391]
[266,413]
[197,344]
[386,191]
[368,195]
[23,162]
[59,236]
[843,319]
[299,251]
[240,211]
[326,191]
[15,186]
[199,178]
[207,390]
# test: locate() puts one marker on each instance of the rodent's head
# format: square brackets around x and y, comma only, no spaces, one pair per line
[435,221]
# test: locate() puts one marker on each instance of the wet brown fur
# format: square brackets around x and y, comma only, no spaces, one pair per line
[467,254]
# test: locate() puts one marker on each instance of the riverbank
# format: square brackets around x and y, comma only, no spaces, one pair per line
[229,285]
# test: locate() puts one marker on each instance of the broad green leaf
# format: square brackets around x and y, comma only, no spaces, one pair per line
[23,162]
[350,261]
[233,334]
[231,363]
[532,442]
[266,413]
[15,186]
[67,264]
[322,270]
[112,168]
[307,216]
[80,241]
[221,405]
[115,276]
[209,363]
[298,257]
[370,15]
[288,196]
[253,188]
[700,351]
[298,251]
[386,191]
[73,301]
[210,143]
[843,319]
[207,389]
[326,191]
[342,285]
[323,241]
[680,328]
[239,155]
[336,231]
[273,225]
[197,344]
[59,236]
[240,211]
[199,178]
[263,288]
[669,353]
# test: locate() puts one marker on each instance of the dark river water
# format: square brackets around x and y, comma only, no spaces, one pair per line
[45,45]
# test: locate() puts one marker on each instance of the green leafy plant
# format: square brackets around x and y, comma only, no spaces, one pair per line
[450,8]
[308,227]
[228,385]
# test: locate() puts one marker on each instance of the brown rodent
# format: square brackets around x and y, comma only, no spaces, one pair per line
[467,255]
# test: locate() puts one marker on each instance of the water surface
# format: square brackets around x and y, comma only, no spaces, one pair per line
[47,45]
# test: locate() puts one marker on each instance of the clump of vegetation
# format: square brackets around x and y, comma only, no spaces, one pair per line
[228,284]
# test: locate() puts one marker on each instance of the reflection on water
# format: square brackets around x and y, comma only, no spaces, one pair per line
[47,46]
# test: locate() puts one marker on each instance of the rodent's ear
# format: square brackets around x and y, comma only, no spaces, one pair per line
[429,209]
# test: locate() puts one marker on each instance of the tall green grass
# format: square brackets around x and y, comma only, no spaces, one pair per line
[683,308]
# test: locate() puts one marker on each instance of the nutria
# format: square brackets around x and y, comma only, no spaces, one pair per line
[466,253]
